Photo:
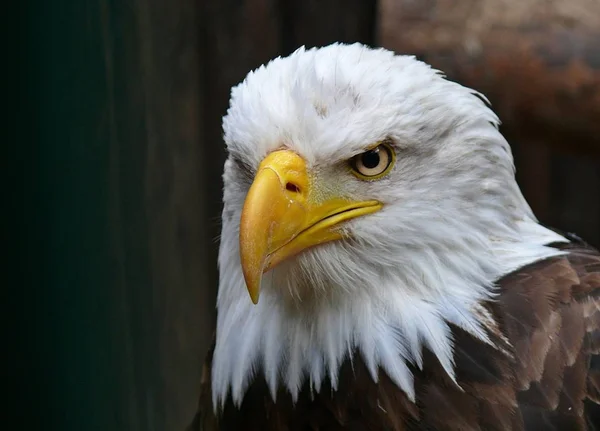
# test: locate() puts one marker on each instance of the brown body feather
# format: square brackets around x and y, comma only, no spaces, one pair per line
[549,312]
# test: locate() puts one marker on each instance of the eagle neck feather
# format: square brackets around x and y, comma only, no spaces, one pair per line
[385,313]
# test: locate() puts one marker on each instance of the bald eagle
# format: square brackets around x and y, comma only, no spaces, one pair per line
[379,266]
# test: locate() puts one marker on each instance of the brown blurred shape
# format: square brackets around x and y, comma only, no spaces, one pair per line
[538,61]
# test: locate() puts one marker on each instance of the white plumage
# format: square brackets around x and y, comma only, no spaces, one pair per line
[453,220]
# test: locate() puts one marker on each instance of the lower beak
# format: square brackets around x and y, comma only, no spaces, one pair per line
[283,216]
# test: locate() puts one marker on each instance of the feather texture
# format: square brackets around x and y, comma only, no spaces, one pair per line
[548,311]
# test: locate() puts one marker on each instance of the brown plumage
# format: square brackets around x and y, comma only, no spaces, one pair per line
[548,378]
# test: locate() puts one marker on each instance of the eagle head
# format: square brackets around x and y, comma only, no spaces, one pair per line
[368,203]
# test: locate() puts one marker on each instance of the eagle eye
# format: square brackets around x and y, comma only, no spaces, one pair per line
[374,163]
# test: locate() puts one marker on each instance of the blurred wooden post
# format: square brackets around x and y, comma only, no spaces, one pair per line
[163,291]
[319,23]
[242,35]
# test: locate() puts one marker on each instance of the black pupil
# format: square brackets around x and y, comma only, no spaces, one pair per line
[370,159]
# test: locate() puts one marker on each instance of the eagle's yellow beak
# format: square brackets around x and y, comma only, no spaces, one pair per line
[284,214]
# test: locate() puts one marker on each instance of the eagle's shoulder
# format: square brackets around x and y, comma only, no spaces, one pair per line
[550,313]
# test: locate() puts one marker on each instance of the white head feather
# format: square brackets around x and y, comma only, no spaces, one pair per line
[454,221]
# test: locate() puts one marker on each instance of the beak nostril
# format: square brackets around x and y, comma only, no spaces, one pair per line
[292,187]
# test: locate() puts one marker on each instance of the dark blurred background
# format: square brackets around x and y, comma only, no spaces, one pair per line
[131,95]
